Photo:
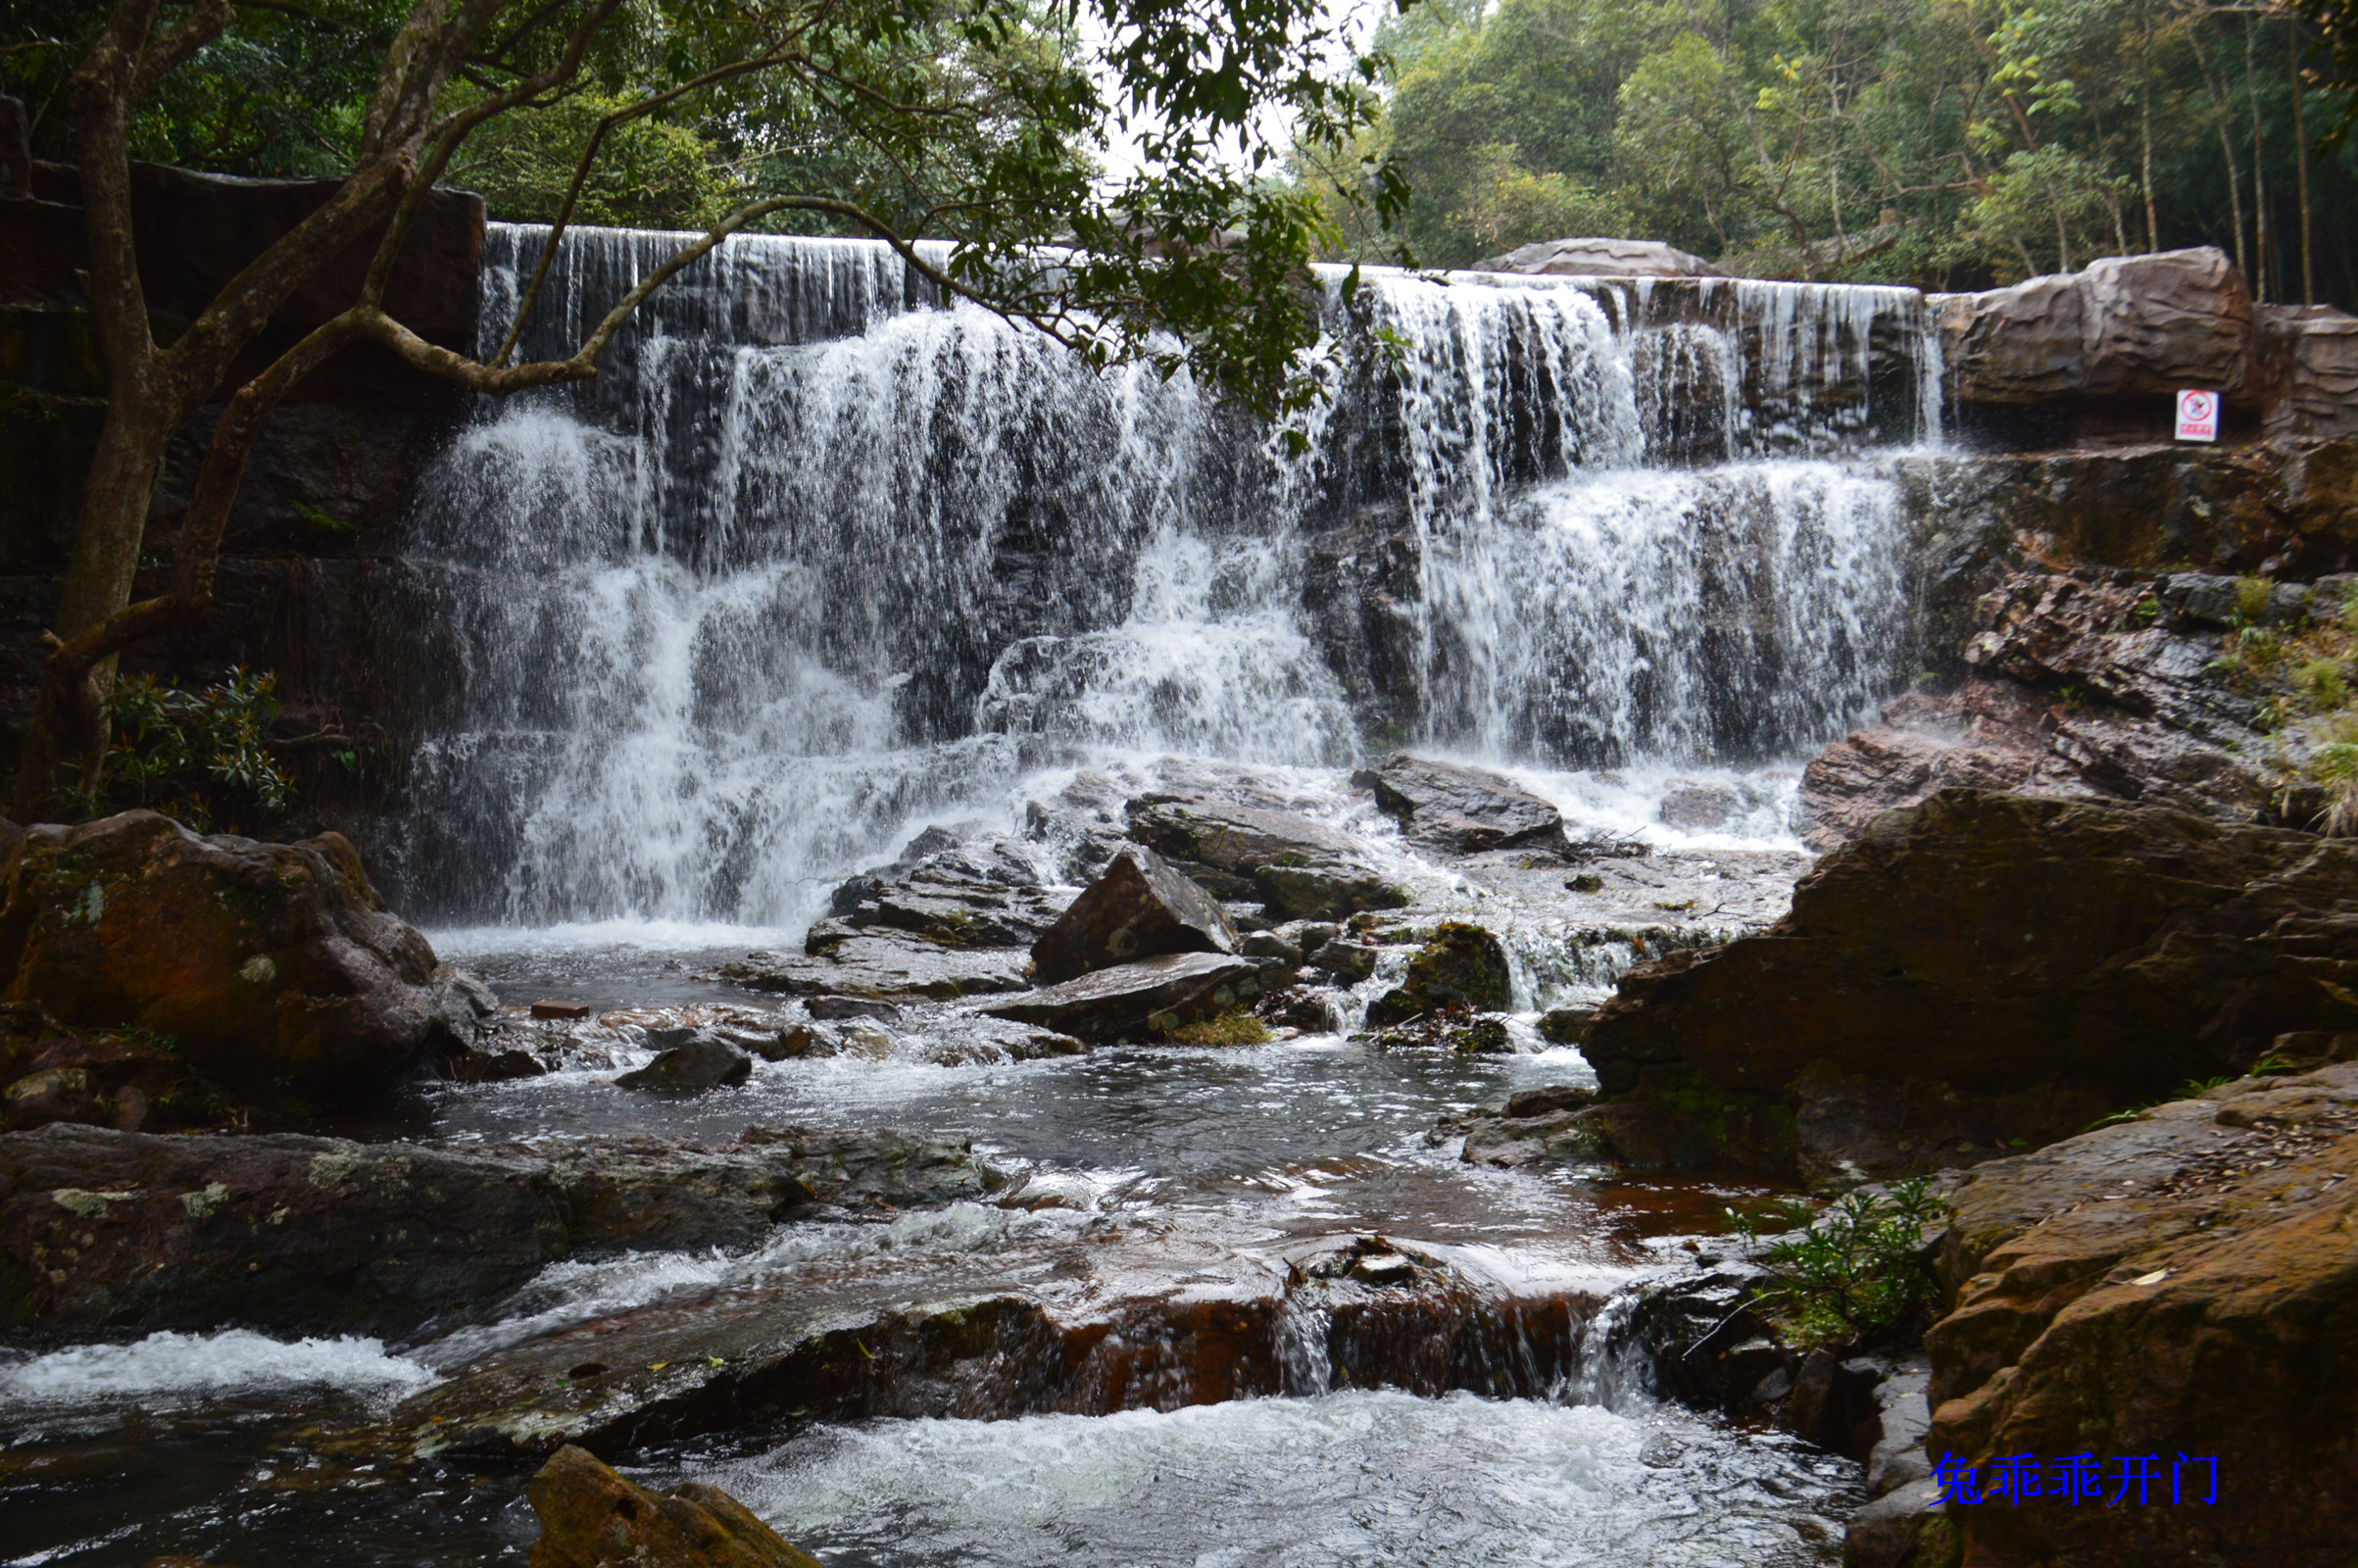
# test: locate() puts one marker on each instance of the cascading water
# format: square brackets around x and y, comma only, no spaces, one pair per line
[815,557]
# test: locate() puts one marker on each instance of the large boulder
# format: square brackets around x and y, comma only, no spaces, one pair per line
[270,967]
[2310,354]
[1141,1000]
[1302,868]
[2183,1285]
[1463,811]
[1141,908]
[102,1229]
[2126,324]
[1600,257]
[1978,972]
[591,1517]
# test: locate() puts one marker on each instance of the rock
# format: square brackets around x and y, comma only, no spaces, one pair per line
[1547,1100]
[1697,808]
[1465,810]
[1600,257]
[1302,868]
[1460,966]
[560,1011]
[590,1518]
[697,1064]
[2042,961]
[834,1009]
[1269,945]
[883,964]
[53,1073]
[1140,1001]
[1903,1416]
[2125,324]
[1534,1126]
[2084,690]
[480,1066]
[1833,1403]
[102,1229]
[1567,1026]
[1348,962]
[2309,356]
[272,968]
[2180,1284]
[1908,1527]
[1141,908]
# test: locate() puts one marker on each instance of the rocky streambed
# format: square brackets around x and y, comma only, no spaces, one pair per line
[1250,1166]
[925,1282]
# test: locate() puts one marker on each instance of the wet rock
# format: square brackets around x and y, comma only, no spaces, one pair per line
[273,968]
[560,1011]
[1905,1414]
[1459,966]
[1465,810]
[1567,1026]
[1349,963]
[1600,257]
[1697,808]
[2044,960]
[1003,1337]
[1140,1001]
[2125,324]
[2188,1272]
[1302,868]
[1908,1527]
[699,1062]
[834,1009]
[883,964]
[1139,907]
[1269,945]
[590,1518]
[102,1229]
[497,1066]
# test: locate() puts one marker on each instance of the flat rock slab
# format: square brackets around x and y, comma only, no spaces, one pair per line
[1465,810]
[887,965]
[1140,1001]
[1302,868]
[2183,1283]
[128,1229]
[1122,1317]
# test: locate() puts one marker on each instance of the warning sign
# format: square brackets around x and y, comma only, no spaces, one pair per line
[2197,415]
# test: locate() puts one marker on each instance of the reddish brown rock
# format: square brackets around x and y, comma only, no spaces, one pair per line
[2186,1283]
[1974,970]
[2125,324]
[1139,907]
[270,967]
[591,1517]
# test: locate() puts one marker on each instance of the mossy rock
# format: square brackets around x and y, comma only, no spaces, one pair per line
[1460,966]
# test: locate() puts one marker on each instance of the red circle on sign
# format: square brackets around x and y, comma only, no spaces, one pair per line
[2195,405]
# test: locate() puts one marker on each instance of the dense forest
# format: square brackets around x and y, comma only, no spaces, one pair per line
[1941,142]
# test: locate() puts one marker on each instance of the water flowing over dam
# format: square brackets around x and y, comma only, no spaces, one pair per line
[815,557]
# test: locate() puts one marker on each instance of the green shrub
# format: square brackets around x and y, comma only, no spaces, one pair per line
[192,753]
[2322,683]
[2251,598]
[1852,1270]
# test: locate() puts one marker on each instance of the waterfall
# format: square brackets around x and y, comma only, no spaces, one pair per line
[814,556]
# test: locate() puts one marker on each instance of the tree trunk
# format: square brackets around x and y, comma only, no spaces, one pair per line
[2300,150]
[2259,172]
